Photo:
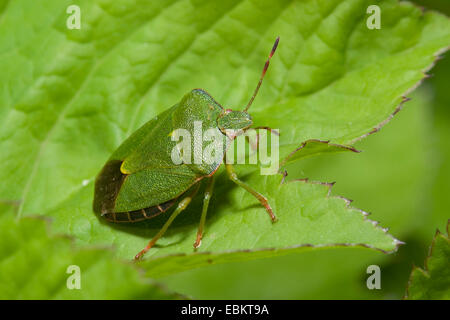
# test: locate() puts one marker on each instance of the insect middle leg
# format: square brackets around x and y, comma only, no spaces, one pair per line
[181,206]
[263,200]
[206,198]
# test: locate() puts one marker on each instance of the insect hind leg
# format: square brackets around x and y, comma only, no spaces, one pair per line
[181,206]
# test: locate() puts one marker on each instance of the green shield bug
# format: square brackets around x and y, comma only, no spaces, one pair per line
[141,180]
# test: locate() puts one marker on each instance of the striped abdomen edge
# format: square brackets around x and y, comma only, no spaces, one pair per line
[139,215]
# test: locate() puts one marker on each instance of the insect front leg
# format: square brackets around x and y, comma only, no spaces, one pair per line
[256,144]
[233,176]
[181,206]
[206,198]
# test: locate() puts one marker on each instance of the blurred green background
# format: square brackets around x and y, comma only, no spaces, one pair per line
[401,178]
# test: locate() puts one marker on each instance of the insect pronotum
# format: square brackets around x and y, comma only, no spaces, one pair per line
[140,180]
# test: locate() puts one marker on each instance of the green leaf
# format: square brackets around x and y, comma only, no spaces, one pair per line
[70,97]
[237,228]
[34,265]
[390,179]
[433,281]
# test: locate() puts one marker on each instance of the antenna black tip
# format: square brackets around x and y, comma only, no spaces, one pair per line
[275,45]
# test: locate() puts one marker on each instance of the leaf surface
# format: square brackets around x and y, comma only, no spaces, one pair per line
[70,97]
[36,265]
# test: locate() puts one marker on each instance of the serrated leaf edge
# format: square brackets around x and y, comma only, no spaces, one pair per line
[304,144]
[305,245]
[438,55]
[425,270]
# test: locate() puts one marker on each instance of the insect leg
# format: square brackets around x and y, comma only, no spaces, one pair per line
[233,176]
[268,129]
[181,206]
[256,145]
[207,197]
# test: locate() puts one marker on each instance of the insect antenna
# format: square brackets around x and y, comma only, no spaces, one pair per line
[266,66]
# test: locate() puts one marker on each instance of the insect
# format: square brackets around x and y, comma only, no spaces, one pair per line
[140,180]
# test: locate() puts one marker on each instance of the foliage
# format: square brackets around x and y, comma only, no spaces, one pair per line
[70,97]
[433,282]
[34,265]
